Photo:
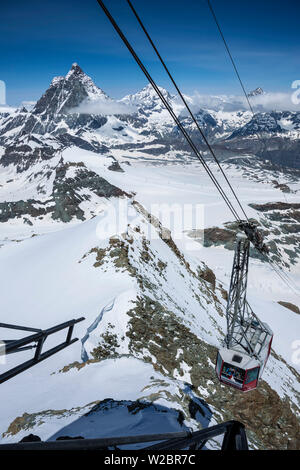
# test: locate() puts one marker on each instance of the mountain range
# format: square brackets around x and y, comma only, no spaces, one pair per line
[74,111]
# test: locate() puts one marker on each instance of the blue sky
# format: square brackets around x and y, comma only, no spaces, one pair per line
[41,39]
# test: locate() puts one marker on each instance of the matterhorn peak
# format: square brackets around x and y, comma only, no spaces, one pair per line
[69,92]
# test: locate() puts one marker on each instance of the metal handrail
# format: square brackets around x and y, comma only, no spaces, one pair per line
[234,439]
[39,338]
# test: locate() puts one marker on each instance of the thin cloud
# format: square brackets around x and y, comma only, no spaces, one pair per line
[275,102]
[104,107]
[262,103]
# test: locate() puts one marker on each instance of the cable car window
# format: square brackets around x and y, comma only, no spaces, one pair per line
[231,371]
[219,363]
[252,375]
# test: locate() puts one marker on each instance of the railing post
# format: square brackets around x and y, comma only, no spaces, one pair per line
[235,437]
[69,334]
[39,348]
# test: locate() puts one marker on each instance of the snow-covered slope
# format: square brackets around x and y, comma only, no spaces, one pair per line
[94,223]
[151,309]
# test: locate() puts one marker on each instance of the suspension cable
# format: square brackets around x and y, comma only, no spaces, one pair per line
[234,66]
[275,266]
[175,118]
[169,108]
[230,55]
[184,102]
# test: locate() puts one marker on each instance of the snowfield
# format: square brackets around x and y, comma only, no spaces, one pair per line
[55,278]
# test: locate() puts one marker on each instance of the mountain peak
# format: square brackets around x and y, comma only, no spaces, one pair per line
[75,70]
[67,93]
[148,98]
[258,91]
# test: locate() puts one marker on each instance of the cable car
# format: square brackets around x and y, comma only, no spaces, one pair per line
[236,368]
[240,363]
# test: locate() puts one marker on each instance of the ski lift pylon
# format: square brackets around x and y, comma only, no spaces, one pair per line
[240,363]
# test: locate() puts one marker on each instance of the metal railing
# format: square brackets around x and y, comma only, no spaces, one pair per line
[35,341]
[234,439]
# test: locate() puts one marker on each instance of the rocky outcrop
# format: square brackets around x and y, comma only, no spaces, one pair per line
[290,306]
[68,193]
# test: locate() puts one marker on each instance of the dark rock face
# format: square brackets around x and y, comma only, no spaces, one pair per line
[67,194]
[115,167]
[68,140]
[265,136]
[17,209]
[256,92]
[271,206]
[209,276]
[12,122]
[65,93]
[23,156]
[260,123]
[60,124]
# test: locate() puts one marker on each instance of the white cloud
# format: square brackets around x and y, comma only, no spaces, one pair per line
[105,107]
[29,105]
[275,102]
[261,103]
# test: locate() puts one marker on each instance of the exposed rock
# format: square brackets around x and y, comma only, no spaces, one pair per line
[218,236]
[271,206]
[115,166]
[290,306]
[283,187]
[209,276]
[67,195]
[108,345]
[156,335]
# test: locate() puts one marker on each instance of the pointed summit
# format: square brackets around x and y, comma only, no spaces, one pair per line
[66,93]
[148,99]
[257,92]
[75,71]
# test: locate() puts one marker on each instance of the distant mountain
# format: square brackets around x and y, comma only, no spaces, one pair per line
[256,92]
[66,93]
[148,100]
[75,112]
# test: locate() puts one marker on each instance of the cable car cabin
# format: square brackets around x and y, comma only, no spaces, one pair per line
[234,367]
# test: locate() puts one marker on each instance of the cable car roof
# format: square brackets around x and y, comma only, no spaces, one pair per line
[242,360]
